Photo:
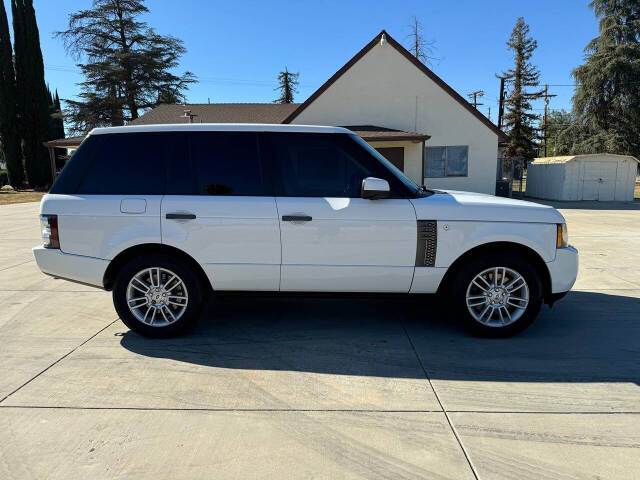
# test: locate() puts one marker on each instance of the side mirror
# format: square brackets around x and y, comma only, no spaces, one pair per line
[375,188]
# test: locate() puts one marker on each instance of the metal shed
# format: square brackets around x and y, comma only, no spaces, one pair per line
[601,176]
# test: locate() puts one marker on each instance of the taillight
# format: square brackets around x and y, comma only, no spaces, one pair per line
[50,238]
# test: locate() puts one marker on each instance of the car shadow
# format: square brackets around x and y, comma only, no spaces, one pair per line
[586,337]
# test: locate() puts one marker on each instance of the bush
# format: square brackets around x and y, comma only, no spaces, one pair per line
[4,178]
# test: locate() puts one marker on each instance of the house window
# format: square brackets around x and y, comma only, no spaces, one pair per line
[446,161]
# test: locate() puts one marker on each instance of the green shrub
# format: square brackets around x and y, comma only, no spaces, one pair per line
[4,178]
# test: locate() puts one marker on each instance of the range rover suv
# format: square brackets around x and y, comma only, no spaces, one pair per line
[164,215]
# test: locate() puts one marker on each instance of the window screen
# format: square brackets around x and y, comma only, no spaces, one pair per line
[446,161]
[126,163]
[457,161]
[436,162]
[227,163]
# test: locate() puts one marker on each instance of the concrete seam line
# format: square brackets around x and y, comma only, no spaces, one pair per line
[58,360]
[16,265]
[217,410]
[446,415]
[320,410]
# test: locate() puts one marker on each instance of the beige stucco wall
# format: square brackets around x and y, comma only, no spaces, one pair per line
[412,157]
[384,88]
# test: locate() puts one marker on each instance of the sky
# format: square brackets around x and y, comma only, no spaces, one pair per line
[237,48]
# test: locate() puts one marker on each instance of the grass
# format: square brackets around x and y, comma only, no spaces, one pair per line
[21,196]
[636,192]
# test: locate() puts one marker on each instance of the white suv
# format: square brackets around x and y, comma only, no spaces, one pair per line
[163,215]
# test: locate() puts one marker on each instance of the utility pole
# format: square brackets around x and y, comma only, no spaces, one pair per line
[475,95]
[501,104]
[489,116]
[544,119]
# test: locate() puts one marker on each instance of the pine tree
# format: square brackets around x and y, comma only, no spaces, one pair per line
[58,130]
[128,65]
[518,118]
[11,146]
[33,103]
[287,84]
[607,99]
[421,48]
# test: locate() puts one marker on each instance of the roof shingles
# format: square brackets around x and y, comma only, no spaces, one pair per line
[217,113]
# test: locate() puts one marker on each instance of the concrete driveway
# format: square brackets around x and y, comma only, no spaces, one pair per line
[323,388]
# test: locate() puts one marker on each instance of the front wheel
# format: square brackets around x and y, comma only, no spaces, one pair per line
[157,295]
[497,295]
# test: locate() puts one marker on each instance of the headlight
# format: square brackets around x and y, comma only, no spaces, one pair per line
[49,224]
[563,238]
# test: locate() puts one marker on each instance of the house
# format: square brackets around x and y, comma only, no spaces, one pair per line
[392,101]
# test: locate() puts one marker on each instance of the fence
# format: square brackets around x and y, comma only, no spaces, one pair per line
[515,173]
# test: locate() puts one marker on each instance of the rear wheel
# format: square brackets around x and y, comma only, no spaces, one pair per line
[497,295]
[157,295]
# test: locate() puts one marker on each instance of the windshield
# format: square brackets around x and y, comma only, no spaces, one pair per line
[410,184]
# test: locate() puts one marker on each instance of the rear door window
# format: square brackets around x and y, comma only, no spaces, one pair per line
[127,164]
[227,163]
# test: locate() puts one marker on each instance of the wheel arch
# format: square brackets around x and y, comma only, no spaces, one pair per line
[502,248]
[122,258]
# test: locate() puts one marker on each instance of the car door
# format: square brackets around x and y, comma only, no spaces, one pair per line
[332,239]
[220,209]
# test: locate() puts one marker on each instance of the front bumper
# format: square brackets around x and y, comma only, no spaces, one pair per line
[564,269]
[77,268]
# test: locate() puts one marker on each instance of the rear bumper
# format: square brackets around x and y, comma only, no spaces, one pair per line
[77,268]
[563,270]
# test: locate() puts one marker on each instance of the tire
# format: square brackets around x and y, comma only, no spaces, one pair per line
[160,312]
[497,311]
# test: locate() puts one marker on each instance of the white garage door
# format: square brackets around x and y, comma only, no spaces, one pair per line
[599,181]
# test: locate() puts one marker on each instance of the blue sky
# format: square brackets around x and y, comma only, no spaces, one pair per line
[237,48]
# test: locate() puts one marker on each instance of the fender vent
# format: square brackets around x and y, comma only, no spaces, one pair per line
[427,243]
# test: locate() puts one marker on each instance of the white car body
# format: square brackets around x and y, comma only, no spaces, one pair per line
[352,244]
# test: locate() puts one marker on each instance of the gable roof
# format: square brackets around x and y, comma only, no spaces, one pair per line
[217,113]
[502,137]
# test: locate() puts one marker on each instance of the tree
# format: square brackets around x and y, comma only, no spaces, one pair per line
[11,144]
[58,118]
[128,65]
[607,99]
[557,122]
[287,84]
[31,93]
[56,129]
[518,118]
[421,48]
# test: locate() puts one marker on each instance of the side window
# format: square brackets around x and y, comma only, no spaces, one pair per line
[321,165]
[73,172]
[128,164]
[227,163]
[446,161]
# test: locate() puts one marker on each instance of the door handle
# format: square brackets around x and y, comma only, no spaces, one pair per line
[180,216]
[296,218]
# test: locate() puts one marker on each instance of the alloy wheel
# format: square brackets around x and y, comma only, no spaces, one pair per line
[157,296]
[497,296]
